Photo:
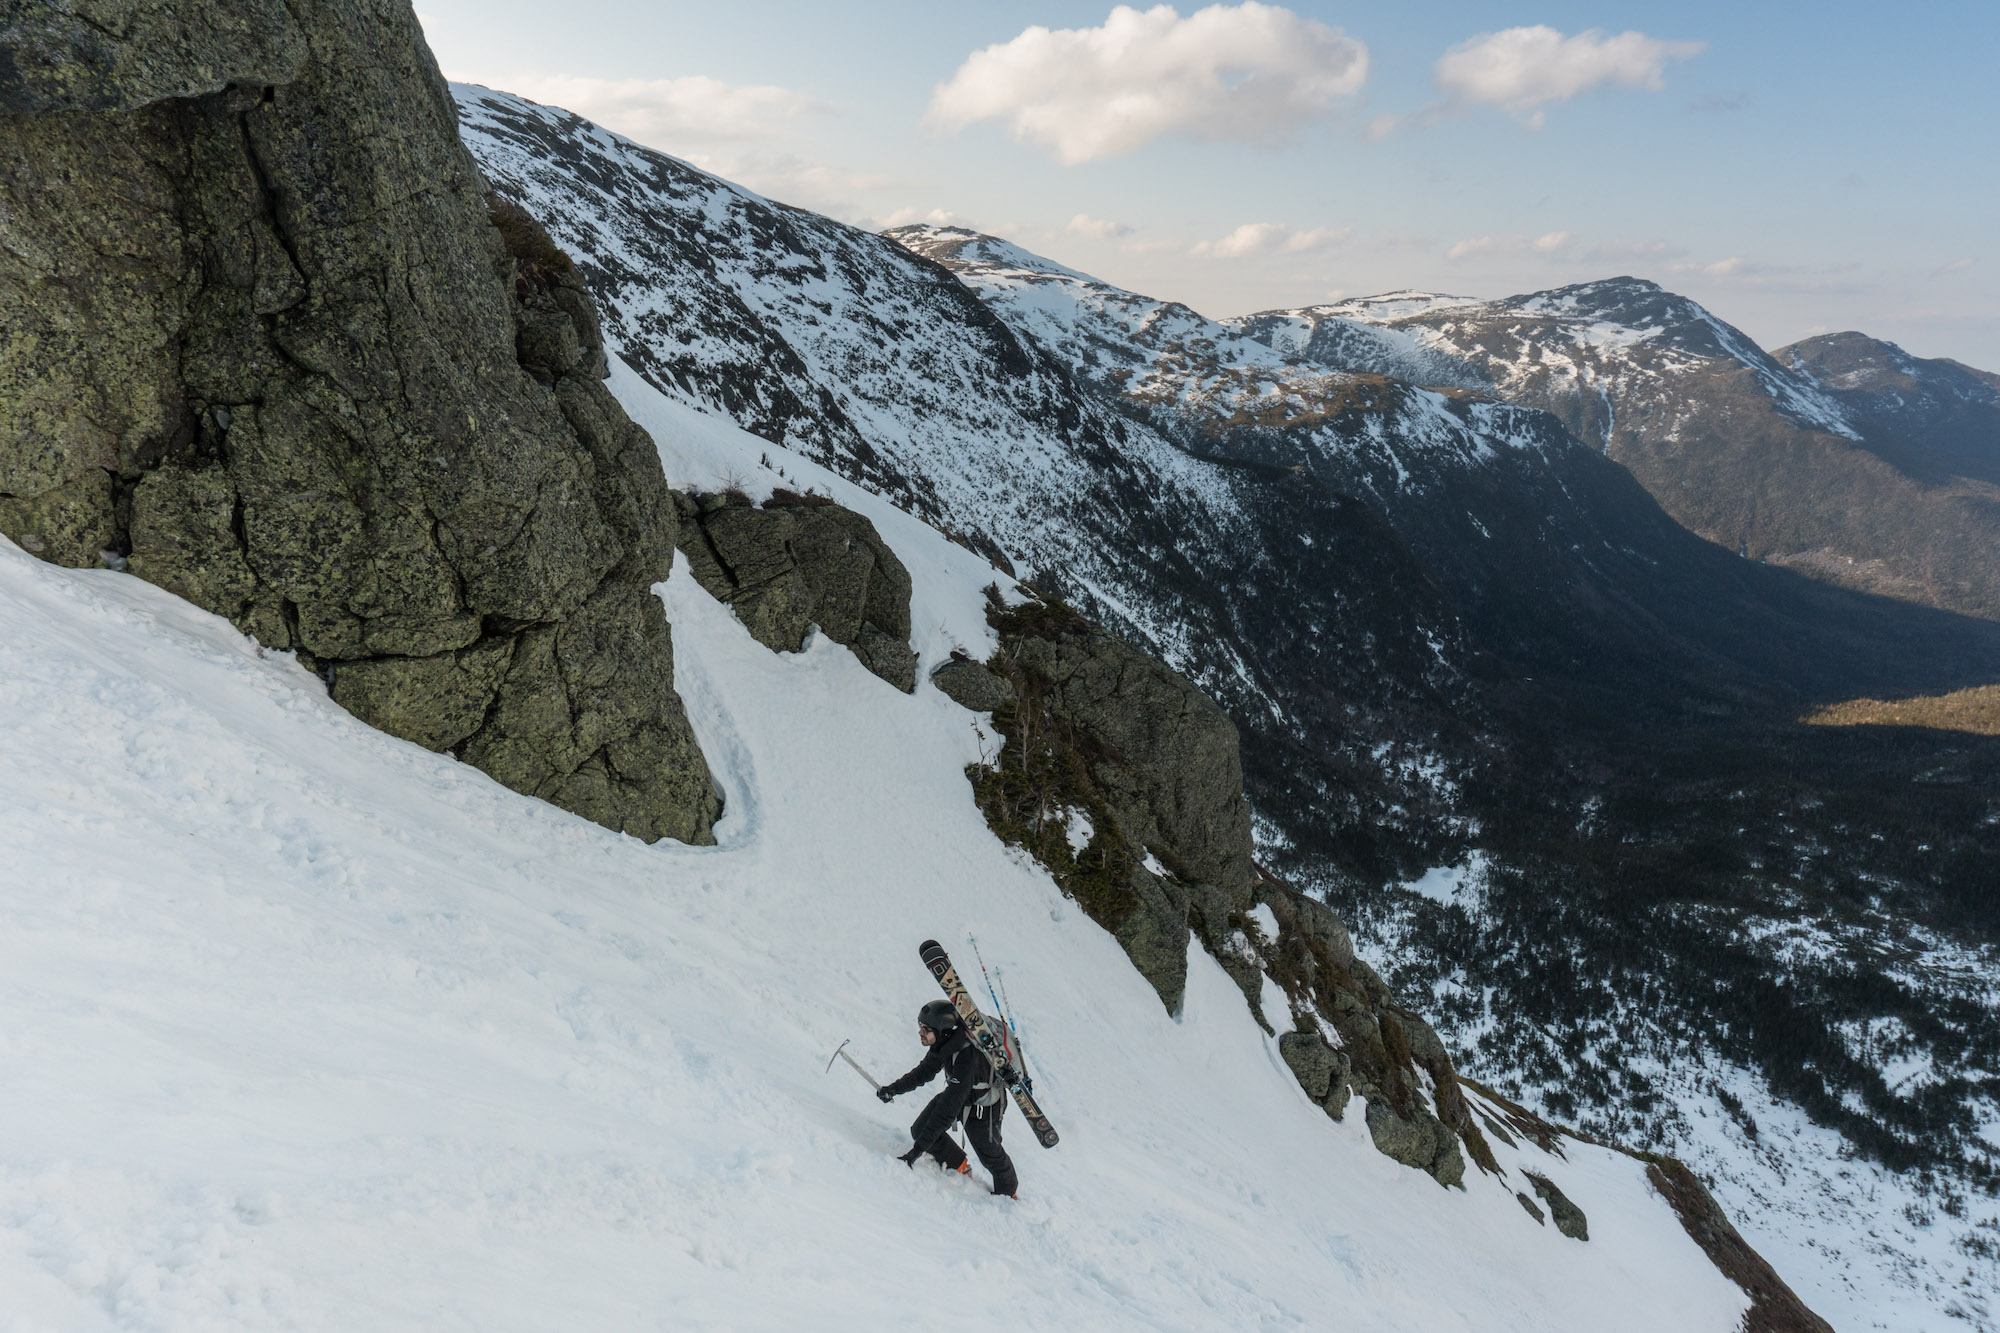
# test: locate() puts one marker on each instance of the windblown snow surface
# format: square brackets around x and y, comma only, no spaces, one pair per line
[304,1027]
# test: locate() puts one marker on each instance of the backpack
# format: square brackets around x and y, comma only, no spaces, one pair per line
[991,1089]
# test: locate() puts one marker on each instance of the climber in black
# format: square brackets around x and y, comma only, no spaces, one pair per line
[970,1090]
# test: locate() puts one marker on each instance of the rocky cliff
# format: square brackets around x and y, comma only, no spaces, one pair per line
[797,561]
[270,344]
[1124,779]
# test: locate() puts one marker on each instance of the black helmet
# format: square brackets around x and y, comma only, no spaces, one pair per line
[938,1016]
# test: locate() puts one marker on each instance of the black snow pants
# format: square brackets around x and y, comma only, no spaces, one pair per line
[982,1131]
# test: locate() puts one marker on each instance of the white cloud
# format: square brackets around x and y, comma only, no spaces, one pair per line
[1246,72]
[1548,243]
[1266,237]
[1757,275]
[1315,238]
[746,133]
[1520,70]
[1098,229]
[936,217]
[672,114]
[1957,266]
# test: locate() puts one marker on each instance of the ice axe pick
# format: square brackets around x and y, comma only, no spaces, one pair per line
[840,1053]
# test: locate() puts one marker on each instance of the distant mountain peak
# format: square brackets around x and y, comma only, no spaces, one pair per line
[961,247]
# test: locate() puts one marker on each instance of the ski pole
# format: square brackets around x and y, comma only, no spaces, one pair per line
[840,1052]
[1001,1008]
[1021,1049]
[1007,1008]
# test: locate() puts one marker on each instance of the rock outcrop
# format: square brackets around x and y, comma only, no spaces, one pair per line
[1569,1218]
[799,561]
[970,685]
[1125,780]
[270,344]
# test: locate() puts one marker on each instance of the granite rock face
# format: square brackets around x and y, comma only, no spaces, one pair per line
[1169,764]
[1353,1039]
[799,561]
[269,343]
[1154,758]
[1569,1218]
[1104,744]
[971,685]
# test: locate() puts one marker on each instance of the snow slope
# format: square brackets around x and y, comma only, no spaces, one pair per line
[1096,437]
[306,1027]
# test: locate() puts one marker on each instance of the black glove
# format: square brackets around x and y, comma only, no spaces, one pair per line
[884,1095]
[909,1158]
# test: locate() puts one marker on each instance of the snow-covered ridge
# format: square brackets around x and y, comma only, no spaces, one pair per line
[1623,339]
[308,1024]
[1162,354]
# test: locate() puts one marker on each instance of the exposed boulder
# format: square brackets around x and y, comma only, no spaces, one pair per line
[800,561]
[1324,1073]
[972,685]
[1419,1139]
[1168,760]
[1569,1218]
[117,55]
[1417,1112]
[270,344]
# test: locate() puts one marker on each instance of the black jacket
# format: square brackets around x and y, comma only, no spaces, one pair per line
[962,1065]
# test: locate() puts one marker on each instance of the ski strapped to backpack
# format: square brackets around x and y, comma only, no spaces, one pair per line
[991,1044]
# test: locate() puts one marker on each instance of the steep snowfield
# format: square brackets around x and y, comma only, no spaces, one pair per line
[306,1027]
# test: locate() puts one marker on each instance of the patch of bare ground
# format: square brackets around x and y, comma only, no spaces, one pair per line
[1975,710]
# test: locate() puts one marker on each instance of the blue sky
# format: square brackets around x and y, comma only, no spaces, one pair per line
[1797,168]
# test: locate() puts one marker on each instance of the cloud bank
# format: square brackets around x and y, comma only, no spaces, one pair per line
[1098,229]
[1241,72]
[1522,70]
[672,114]
[1253,238]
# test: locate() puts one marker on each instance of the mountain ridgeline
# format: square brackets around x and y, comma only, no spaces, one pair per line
[1841,456]
[1450,632]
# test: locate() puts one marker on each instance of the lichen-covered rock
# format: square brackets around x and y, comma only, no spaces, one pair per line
[887,656]
[1317,923]
[1310,1057]
[1154,934]
[1418,1139]
[1569,1218]
[1529,1204]
[800,561]
[1169,761]
[1311,1062]
[267,337]
[970,685]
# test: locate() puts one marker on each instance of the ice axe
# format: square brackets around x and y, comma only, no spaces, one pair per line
[840,1053]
